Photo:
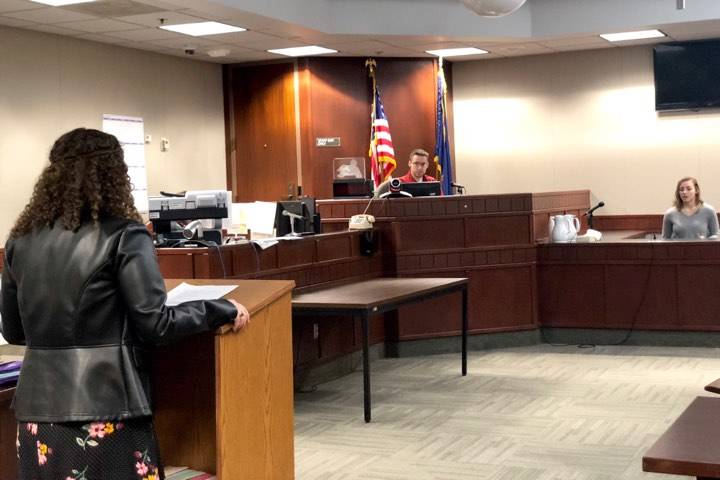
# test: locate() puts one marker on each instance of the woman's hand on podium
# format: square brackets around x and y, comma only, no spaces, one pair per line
[243,316]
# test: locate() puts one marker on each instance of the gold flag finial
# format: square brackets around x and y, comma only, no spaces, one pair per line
[371,64]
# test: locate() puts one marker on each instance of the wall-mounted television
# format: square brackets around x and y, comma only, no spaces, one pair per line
[687,75]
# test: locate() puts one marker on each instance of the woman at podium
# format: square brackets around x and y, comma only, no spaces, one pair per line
[689,217]
[81,288]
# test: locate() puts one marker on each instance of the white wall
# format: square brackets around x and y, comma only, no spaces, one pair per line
[579,120]
[51,84]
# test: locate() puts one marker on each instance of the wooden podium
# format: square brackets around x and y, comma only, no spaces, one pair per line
[223,403]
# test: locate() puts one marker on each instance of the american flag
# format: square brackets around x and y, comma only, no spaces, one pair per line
[382,154]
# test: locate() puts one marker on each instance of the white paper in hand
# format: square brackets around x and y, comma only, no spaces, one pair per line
[186,293]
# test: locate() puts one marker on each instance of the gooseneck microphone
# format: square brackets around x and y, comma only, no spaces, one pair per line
[460,188]
[589,213]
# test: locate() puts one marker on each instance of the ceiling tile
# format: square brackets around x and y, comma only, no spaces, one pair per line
[574,48]
[94,37]
[574,42]
[49,15]
[153,19]
[16,22]
[145,34]
[57,30]
[17,5]
[521,49]
[249,38]
[183,41]
[102,25]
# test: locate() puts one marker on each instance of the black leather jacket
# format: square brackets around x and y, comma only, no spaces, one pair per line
[86,303]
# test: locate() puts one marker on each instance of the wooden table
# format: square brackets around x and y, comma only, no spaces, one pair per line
[713,387]
[689,446]
[376,296]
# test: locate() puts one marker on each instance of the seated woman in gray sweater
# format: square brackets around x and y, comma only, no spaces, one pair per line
[690,218]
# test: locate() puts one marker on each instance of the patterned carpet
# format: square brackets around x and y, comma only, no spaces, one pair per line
[530,413]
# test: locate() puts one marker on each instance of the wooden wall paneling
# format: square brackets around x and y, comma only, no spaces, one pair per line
[567,200]
[335,103]
[263,110]
[202,266]
[641,296]
[408,93]
[502,229]
[337,336]
[180,265]
[338,96]
[645,223]
[229,118]
[296,252]
[698,296]
[501,298]
[436,317]
[571,295]
[306,349]
[334,247]
[429,234]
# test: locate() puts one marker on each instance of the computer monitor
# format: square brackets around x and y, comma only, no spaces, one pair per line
[422,189]
[301,226]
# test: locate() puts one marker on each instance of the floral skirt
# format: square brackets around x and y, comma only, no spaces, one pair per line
[125,450]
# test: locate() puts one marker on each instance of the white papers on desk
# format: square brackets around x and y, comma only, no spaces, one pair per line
[186,293]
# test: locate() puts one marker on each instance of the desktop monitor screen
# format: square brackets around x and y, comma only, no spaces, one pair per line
[303,226]
[422,189]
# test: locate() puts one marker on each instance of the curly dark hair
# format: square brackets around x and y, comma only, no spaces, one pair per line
[87,180]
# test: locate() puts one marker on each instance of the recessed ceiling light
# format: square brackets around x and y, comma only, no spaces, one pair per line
[302,51]
[202,28]
[456,52]
[639,35]
[60,3]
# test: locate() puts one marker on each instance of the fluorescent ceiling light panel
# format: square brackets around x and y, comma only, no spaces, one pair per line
[202,28]
[302,51]
[60,3]
[639,35]
[456,52]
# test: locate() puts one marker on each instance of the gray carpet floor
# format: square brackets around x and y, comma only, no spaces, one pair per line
[530,413]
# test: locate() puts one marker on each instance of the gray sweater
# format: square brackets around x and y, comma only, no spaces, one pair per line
[702,224]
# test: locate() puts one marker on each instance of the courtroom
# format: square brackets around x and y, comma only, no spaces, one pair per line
[359,239]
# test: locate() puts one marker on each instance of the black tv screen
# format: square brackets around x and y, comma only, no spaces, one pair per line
[687,75]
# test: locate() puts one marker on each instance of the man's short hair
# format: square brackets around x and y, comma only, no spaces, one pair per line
[420,153]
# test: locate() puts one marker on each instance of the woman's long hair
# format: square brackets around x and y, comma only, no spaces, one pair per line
[87,180]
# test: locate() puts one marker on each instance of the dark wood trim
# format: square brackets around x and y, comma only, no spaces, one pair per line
[643,223]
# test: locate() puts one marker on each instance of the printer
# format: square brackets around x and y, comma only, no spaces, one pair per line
[192,218]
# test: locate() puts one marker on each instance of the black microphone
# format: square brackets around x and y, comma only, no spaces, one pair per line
[590,212]
[460,188]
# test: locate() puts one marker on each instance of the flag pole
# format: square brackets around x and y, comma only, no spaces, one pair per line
[371,65]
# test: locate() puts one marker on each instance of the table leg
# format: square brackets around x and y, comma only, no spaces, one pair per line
[366,365]
[464,330]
